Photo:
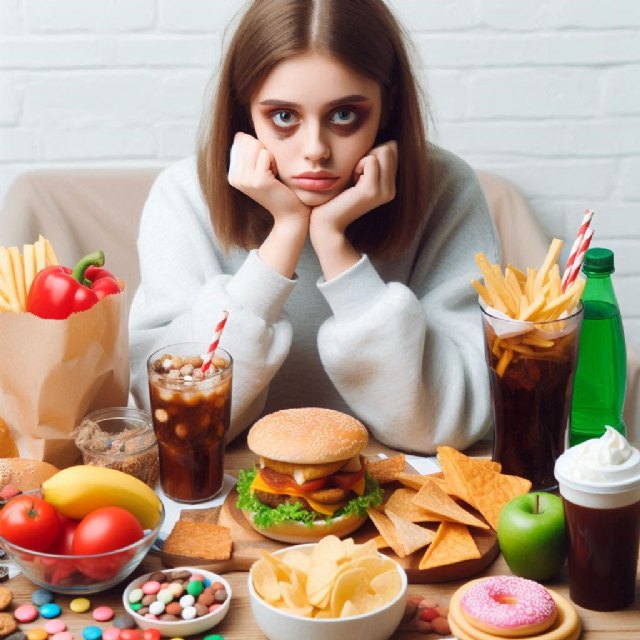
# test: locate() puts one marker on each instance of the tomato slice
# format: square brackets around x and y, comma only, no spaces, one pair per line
[282,482]
[346,480]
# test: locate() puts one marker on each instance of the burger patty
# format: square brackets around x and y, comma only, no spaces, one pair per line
[274,500]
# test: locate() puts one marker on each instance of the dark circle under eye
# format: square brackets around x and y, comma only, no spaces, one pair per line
[343,116]
[284,118]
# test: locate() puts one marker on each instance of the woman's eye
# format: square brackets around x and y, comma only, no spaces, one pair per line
[344,117]
[284,119]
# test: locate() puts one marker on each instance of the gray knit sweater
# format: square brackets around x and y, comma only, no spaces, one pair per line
[396,343]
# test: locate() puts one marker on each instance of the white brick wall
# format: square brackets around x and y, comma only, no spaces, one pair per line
[544,92]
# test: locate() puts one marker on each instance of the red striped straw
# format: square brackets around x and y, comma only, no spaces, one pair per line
[216,340]
[577,265]
[568,270]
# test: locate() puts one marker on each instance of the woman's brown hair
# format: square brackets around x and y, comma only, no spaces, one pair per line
[363,35]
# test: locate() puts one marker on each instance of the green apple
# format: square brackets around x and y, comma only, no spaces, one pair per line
[531,535]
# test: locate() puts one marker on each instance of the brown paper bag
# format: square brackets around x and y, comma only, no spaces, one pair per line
[54,372]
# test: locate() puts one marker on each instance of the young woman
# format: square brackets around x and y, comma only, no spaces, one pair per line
[341,243]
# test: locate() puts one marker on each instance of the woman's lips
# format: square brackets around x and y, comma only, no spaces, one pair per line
[314,181]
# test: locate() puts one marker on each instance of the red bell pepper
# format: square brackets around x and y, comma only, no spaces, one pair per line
[57,291]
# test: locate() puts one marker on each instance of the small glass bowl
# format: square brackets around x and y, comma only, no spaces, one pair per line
[75,575]
[120,438]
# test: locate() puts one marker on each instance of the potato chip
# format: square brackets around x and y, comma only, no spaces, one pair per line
[349,609]
[387,584]
[453,543]
[295,599]
[401,503]
[298,560]
[385,470]
[412,536]
[387,531]
[265,581]
[347,585]
[331,583]
[433,499]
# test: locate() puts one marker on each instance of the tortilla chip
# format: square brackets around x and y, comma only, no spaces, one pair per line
[416,480]
[412,536]
[385,470]
[432,498]
[479,484]
[401,503]
[453,543]
[387,531]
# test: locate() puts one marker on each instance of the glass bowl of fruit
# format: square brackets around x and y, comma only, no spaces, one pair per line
[85,549]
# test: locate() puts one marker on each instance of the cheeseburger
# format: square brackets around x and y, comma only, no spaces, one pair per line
[310,480]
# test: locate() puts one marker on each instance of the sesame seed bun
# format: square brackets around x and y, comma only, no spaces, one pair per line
[307,436]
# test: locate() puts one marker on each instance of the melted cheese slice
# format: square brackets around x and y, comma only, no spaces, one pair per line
[259,484]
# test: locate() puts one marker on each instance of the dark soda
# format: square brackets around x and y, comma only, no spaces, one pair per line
[603,555]
[190,419]
[531,405]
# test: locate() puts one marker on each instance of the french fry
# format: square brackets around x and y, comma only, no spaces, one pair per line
[482,292]
[29,260]
[496,284]
[550,259]
[18,276]
[6,271]
[50,256]
[41,253]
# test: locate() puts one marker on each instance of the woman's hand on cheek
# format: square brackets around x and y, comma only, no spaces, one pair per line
[375,185]
[252,170]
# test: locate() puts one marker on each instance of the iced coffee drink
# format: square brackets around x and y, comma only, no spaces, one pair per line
[191,411]
[600,488]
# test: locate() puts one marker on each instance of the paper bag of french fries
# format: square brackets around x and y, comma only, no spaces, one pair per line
[54,372]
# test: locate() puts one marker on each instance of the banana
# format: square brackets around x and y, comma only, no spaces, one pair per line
[77,490]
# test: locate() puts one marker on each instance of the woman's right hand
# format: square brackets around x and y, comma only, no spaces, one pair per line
[252,170]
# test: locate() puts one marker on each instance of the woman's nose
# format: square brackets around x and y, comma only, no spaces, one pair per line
[316,146]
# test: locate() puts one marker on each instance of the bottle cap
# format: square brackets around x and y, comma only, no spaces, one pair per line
[598,260]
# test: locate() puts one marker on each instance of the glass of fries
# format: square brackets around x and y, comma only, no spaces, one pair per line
[531,334]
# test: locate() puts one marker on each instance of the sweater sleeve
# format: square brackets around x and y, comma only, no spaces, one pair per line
[184,288]
[409,358]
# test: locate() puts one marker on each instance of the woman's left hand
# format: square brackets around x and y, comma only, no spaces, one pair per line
[375,185]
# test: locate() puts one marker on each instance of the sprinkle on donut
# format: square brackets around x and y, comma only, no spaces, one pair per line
[508,605]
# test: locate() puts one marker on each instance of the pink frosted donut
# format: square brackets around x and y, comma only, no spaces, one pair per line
[508,606]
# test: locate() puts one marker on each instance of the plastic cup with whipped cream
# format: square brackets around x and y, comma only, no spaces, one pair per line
[599,483]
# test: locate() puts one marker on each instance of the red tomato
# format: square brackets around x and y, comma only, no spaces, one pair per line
[106,529]
[30,522]
[101,531]
[62,545]
[346,480]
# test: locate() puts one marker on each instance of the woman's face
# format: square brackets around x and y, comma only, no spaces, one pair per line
[318,118]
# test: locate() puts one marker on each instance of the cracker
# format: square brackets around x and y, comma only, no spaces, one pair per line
[199,540]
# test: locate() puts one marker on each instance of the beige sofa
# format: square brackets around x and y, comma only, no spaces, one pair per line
[81,210]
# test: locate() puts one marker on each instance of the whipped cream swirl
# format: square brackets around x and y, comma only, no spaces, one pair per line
[609,459]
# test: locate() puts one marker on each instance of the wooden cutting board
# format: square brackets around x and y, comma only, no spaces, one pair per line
[248,545]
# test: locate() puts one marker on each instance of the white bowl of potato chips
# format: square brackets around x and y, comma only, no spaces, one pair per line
[330,590]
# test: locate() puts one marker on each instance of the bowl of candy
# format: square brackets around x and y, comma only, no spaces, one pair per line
[329,590]
[178,602]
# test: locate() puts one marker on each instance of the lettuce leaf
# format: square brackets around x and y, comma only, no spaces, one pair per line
[265,517]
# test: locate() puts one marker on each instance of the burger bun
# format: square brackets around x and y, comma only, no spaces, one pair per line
[307,436]
[293,532]
[25,474]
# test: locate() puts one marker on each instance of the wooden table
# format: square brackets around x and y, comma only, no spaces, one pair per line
[239,623]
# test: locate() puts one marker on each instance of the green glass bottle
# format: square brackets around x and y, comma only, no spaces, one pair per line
[601,375]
